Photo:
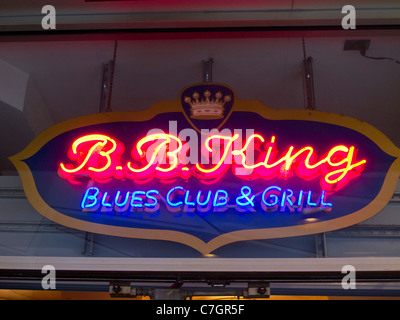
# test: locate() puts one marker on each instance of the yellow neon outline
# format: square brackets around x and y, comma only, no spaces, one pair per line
[92,137]
[152,137]
[226,150]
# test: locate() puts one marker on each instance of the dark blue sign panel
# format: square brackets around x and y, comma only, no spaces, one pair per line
[209,170]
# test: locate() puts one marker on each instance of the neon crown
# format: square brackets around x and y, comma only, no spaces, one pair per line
[206,108]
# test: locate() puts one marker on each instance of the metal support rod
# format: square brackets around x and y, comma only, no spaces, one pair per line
[207,70]
[308,77]
[105,87]
[88,242]
[112,71]
[107,83]
[320,245]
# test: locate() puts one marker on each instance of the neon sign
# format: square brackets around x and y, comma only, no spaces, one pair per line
[208,170]
[178,199]
[98,157]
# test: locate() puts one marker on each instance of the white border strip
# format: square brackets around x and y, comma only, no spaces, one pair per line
[200,264]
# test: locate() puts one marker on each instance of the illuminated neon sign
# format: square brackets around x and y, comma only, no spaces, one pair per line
[208,170]
[178,199]
[99,157]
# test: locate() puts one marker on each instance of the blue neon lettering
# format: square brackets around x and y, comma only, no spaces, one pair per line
[90,197]
[244,199]
[135,198]
[323,203]
[104,199]
[187,202]
[153,198]
[286,197]
[199,197]
[177,196]
[117,196]
[175,204]
[217,198]
[299,202]
[309,202]
[273,196]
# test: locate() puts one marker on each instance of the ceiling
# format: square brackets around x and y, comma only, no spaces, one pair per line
[46,79]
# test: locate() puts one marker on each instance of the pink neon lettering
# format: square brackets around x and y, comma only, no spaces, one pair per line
[98,157]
